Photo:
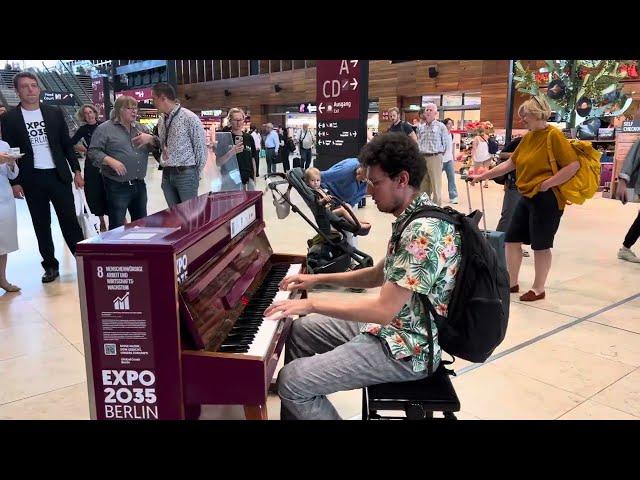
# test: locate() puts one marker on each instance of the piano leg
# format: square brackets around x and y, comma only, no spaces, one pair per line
[256,412]
[192,412]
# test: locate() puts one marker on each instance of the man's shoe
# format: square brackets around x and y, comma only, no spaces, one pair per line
[626,254]
[454,200]
[50,274]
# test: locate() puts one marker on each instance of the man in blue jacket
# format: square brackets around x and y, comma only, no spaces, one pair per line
[346,180]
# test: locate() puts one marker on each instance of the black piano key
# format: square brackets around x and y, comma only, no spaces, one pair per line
[233,349]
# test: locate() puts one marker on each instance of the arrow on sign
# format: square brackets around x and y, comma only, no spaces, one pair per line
[354,84]
[354,62]
[320,108]
[344,85]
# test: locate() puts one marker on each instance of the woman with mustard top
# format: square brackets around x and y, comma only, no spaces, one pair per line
[537,215]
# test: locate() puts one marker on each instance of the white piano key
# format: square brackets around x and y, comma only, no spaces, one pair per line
[268,328]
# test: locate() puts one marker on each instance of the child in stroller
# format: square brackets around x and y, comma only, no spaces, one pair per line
[312,178]
[329,251]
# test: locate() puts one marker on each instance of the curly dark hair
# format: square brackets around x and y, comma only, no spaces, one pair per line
[395,152]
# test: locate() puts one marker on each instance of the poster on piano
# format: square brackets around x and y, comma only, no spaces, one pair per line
[122,304]
[222,171]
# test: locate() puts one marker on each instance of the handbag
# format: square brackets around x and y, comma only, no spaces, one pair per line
[89,223]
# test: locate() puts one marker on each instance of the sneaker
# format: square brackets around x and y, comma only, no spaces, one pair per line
[626,254]
[454,200]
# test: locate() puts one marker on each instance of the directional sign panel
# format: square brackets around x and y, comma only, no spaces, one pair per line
[57,98]
[342,104]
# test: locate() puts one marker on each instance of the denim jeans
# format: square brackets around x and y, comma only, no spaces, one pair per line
[271,160]
[123,196]
[447,167]
[326,355]
[305,157]
[179,184]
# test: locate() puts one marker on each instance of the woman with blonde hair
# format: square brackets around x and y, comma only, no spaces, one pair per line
[537,215]
[87,114]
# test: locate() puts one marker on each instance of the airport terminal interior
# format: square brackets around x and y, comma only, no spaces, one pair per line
[574,355]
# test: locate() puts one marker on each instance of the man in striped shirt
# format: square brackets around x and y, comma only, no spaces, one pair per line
[433,141]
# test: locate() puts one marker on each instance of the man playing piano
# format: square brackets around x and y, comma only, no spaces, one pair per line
[340,346]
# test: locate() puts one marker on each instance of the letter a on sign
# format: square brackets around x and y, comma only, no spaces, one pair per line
[344,67]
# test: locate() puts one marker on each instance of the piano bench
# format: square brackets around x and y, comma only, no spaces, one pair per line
[418,399]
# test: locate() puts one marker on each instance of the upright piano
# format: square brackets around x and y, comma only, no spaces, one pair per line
[172,310]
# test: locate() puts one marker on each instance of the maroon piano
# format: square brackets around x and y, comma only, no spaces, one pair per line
[172,310]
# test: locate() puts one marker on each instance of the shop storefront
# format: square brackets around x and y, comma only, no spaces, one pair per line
[148,114]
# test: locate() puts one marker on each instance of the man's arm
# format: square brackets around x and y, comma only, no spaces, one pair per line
[65,142]
[340,170]
[381,309]
[370,277]
[8,136]
[199,143]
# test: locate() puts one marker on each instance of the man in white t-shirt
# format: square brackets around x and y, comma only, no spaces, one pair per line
[42,135]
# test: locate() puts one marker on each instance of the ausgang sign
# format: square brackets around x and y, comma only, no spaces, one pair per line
[341,116]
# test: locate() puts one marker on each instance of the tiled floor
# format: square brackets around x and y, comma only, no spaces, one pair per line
[560,360]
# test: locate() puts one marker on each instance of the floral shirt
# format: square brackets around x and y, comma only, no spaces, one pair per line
[426,261]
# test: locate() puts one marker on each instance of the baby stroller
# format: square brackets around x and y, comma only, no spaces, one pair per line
[329,251]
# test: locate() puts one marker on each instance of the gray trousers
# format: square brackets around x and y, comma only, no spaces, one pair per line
[179,185]
[432,181]
[326,355]
[509,202]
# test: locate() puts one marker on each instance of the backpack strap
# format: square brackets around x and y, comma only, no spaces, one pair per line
[446,214]
[552,158]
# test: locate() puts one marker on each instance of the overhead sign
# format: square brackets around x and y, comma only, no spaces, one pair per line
[342,104]
[99,96]
[307,108]
[211,113]
[139,94]
[57,98]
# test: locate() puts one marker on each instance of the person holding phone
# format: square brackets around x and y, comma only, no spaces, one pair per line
[244,149]
[122,161]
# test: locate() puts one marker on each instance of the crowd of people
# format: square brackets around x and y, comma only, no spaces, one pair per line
[336,346]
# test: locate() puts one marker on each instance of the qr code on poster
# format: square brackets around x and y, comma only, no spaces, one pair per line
[109,348]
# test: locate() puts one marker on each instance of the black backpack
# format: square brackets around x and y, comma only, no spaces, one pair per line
[478,311]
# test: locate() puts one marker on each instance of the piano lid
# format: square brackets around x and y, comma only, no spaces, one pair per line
[213,297]
[182,224]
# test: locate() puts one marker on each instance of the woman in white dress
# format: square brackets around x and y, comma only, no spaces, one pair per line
[8,222]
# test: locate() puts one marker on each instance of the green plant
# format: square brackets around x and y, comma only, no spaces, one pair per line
[594,83]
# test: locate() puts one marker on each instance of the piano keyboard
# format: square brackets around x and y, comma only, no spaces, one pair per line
[252,333]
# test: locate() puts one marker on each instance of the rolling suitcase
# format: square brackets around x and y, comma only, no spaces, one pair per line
[495,238]
[297,162]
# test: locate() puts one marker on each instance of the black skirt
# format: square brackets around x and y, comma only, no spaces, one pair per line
[94,189]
